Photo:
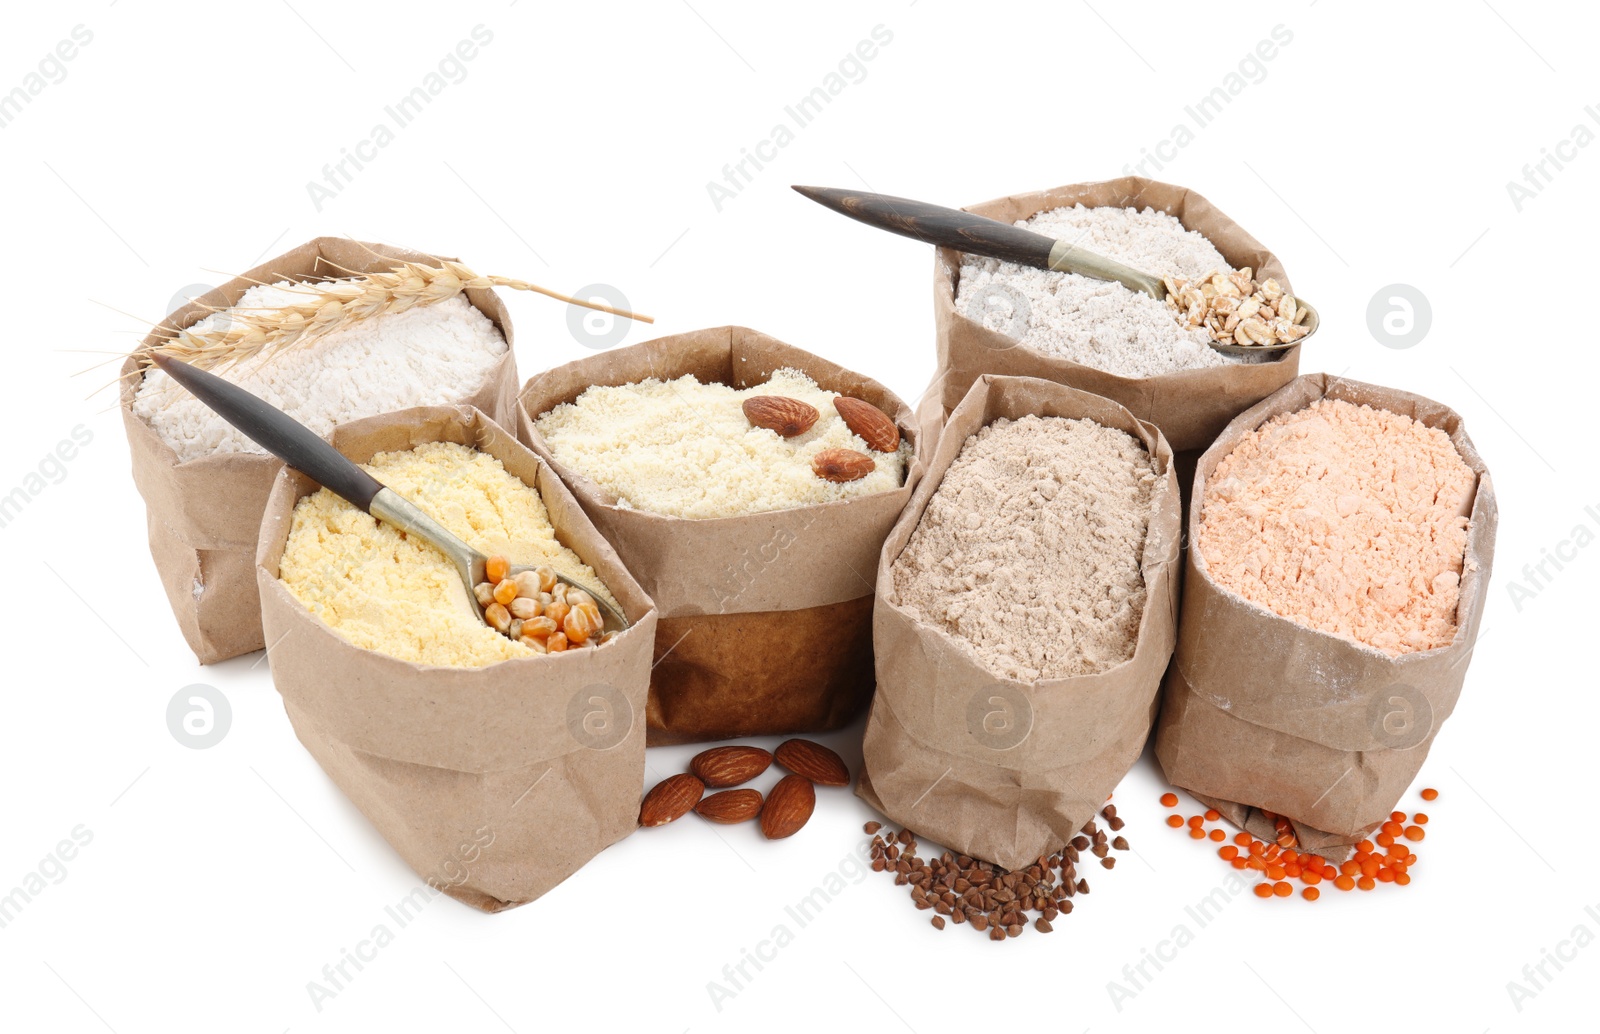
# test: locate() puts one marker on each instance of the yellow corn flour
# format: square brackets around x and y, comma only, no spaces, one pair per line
[387,591]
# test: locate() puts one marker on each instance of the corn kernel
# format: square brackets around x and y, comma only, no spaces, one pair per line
[496,568]
[527,583]
[539,626]
[581,623]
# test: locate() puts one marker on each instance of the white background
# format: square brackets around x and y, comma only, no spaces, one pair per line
[177,150]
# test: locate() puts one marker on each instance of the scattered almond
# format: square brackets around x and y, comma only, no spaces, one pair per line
[670,799]
[868,423]
[729,766]
[841,465]
[789,806]
[787,416]
[730,806]
[814,761]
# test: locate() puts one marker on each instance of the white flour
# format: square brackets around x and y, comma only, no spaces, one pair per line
[1095,322]
[425,356]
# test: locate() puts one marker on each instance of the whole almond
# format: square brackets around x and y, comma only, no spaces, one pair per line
[786,416]
[730,806]
[729,766]
[789,805]
[842,465]
[670,799]
[814,761]
[868,423]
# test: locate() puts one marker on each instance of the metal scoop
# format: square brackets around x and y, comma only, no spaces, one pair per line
[295,444]
[979,235]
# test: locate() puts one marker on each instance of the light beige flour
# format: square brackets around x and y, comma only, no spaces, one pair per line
[1346,519]
[686,449]
[1029,552]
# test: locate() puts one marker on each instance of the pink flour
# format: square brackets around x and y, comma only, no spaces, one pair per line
[1346,519]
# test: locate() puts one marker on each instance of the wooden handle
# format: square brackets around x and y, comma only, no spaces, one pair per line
[935,224]
[275,431]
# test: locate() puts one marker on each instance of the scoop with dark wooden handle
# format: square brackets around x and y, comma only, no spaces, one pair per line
[301,448]
[979,235]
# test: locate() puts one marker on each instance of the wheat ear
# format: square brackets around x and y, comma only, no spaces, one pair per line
[330,305]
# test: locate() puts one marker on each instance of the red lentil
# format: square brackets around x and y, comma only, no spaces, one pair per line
[1384,858]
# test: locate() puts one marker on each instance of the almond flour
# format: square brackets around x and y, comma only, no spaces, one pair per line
[1100,323]
[687,449]
[1030,551]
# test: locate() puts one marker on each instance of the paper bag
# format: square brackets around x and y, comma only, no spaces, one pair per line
[1190,406]
[766,619]
[993,767]
[493,783]
[203,514]
[1263,713]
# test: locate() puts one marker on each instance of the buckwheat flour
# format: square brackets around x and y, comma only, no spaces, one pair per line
[424,356]
[1346,519]
[1030,550]
[1095,322]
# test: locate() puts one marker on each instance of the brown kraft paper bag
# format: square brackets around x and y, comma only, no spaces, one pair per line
[493,783]
[1260,712]
[1190,406]
[993,767]
[203,514]
[766,619]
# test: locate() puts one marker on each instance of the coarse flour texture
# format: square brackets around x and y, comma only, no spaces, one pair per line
[686,449]
[387,591]
[1030,550]
[428,355]
[1099,323]
[1346,519]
